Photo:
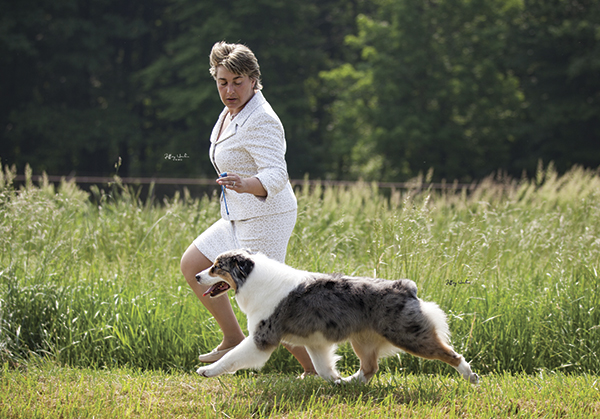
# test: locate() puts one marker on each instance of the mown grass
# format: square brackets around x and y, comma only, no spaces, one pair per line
[48,391]
[91,280]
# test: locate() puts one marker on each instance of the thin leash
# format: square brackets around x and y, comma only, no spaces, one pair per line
[223,191]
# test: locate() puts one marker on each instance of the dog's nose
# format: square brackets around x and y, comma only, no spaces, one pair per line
[198,277]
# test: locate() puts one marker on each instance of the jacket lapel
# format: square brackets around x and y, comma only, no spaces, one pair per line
[215,131]
[257,100]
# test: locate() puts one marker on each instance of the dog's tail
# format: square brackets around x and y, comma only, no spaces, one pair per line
[437,318]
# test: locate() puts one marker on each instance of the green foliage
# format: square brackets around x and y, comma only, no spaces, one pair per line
[65,69]
[86,284]
[556,56]
[430,91]
[92,280]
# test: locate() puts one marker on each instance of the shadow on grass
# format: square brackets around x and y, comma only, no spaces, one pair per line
[276,394]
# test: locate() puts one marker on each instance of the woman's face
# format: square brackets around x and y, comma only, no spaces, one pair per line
[235,90]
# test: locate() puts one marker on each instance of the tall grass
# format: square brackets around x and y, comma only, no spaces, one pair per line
[92,279]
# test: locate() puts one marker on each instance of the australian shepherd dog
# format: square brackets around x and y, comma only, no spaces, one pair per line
[379,317]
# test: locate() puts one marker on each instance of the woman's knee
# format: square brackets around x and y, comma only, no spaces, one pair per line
[192,262]
[183,265]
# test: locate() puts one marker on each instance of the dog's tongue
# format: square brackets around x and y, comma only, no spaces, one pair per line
[211,289]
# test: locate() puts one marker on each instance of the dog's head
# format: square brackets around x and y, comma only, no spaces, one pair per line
[230,271]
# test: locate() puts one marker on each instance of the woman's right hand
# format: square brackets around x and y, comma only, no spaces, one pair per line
[236,183]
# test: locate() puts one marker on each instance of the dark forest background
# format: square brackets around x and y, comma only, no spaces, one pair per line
[378,90]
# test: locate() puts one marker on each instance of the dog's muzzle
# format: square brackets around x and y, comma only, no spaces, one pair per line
[215,289]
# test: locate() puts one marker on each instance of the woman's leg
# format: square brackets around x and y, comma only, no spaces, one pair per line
[303,358]
[192,262]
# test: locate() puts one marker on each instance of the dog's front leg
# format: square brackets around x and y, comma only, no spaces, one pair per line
[324,359]
[245,355]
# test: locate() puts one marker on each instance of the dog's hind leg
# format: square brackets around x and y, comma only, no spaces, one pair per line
[245,355]
[465,370]
[446,354]
[443,352]
[431,347]
[324,359]
[367,348]
[424,332]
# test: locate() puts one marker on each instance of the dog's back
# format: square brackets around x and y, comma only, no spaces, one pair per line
[337,307]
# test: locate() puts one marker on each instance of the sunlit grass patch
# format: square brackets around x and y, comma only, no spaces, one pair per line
[46,390]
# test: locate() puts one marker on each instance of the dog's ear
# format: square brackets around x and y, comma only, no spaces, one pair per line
[242,267]
[246,266]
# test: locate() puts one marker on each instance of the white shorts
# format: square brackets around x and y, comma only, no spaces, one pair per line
[268,234]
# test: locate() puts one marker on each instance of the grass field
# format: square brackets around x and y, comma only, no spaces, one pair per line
[91,297]
[47,391]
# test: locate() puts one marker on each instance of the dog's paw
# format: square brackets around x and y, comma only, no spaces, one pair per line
[206,372]
[358,377]
[474,379]
[341,380]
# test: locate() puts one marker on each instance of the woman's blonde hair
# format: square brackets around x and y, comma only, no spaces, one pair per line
[237,58]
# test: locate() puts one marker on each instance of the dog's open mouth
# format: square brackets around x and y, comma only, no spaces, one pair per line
[217,289]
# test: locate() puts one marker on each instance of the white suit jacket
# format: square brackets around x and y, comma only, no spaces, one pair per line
[253,145]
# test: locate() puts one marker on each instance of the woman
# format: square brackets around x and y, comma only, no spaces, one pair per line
[258,206]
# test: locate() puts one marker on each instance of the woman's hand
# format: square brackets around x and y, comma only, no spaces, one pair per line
[238,184]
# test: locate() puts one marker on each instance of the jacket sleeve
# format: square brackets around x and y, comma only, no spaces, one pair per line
[266,144]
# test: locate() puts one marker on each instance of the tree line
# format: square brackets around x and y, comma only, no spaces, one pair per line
[378,90]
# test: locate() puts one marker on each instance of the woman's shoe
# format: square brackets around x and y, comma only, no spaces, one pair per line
[214,355]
